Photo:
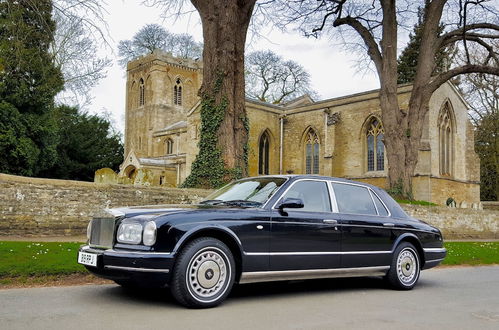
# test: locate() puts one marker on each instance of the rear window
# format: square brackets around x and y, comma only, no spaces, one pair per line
[353,199]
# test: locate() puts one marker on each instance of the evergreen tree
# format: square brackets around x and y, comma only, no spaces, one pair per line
[408,59]
[86,144]
[29,82]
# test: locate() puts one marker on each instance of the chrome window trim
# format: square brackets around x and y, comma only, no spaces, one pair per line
[372,200]
[267,276]
[299,180]
[332,195]
[312,253]
[382,202]
[145,270]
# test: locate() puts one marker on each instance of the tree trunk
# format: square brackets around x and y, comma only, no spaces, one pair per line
[224,129]
[404,128]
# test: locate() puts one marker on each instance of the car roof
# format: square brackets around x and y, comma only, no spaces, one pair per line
[295,177]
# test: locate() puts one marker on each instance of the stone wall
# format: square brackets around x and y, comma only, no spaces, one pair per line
[41,207]
[44,207]
[457,223]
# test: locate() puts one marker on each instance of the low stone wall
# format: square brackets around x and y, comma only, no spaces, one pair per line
[44,207]
[456,223]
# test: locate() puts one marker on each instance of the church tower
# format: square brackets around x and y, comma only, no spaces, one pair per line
[160,91]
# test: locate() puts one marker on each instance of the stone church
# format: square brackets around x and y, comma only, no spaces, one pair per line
[341,137]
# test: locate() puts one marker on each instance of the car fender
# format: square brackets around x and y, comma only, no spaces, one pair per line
[212,227]
[411,238]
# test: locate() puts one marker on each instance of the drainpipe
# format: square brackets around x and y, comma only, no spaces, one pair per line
[281,141]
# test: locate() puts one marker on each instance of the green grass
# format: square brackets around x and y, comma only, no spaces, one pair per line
[406,201]
[38,259]
[472,253]
[28,259]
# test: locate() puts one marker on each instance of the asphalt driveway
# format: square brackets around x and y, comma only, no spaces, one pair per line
[445,298]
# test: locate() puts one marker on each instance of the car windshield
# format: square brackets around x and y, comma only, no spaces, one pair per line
[252,192]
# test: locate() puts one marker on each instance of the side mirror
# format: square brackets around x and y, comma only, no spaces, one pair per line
[291,203]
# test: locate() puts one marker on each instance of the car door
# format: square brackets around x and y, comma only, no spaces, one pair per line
[308,237]
[366,227]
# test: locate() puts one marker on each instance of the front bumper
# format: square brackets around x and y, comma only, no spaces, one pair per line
[139,266]
[433,257]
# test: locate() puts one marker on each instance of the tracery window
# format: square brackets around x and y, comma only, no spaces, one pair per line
[312,146]
[169,146]
[177,92]
[141,93]
[445,140]
[263,154]
[375,146]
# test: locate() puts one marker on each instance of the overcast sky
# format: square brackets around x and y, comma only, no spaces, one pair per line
[334,72]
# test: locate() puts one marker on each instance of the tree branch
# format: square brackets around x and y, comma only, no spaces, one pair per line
[366,36]
[440,79]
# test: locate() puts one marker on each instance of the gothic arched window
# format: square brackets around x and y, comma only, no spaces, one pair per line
[375,146]
[312,146]
[263,153]
[142,99]
[169,146]
[445,140]
[177,92]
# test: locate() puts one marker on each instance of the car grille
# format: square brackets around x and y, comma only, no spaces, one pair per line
[102,232]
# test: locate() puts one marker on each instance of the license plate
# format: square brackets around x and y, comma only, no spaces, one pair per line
[88,259]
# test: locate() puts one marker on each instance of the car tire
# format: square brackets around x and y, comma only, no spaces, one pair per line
[405,268]
[203,274]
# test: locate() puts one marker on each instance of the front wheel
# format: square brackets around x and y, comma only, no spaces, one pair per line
[203,274]
[405,268]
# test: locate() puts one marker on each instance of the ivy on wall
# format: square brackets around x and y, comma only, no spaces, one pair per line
[208,170]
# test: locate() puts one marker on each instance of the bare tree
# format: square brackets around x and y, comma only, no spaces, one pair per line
[81,29]
[271,79]
[154,36]
[75,52]
[224,129]
[375,24]
[482,93]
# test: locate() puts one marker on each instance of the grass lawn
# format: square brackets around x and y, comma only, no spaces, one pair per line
[472,253]
[31,261]
[38,259]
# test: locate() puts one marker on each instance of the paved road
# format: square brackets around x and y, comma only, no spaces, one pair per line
[447,298]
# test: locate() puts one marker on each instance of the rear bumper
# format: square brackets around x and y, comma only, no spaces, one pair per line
[433,257]
[147,267]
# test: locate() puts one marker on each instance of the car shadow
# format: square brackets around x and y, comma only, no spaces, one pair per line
[162,296]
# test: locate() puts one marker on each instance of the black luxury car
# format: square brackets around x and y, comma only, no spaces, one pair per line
[267,228]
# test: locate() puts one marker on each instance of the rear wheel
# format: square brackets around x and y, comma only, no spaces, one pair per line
[405,268]
[203,274]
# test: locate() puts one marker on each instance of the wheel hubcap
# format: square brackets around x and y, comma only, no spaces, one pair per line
[407,266]
[207,274]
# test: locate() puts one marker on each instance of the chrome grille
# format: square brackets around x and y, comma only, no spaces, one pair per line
[102,232]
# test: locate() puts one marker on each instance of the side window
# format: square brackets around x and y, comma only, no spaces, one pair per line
[381,208]
[314,195]
[353,199]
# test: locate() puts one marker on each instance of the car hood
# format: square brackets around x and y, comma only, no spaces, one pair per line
[152,210]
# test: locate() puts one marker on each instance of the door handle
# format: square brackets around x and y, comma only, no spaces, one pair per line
[389,224]
[330,221]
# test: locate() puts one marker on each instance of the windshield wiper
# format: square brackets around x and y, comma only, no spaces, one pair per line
[211,201]
[241,202]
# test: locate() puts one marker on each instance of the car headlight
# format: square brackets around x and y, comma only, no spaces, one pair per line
[149,235]
[130,233]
